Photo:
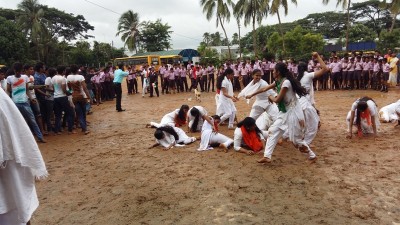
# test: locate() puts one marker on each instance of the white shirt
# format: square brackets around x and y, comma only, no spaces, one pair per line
[77,78]
[307,83]
[58,81]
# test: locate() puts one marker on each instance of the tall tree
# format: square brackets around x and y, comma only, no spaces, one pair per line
[207,38]
[235,39]
[329,24]
[252,11]
[394,8]
[155,36]
[237,17]
[345,5]
[274,9]
[31,20]
[221,10]
[128,27]
[13,42]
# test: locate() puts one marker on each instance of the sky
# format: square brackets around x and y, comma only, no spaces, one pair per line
[185,17]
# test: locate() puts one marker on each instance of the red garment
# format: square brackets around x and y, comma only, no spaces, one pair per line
[194,73]
[179,122]
[251,139]
[216,126]
[364,115]
[218,90]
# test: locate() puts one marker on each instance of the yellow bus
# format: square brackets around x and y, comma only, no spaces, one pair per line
[171,59]
[137,61]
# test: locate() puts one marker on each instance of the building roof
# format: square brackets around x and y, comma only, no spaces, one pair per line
[185,53]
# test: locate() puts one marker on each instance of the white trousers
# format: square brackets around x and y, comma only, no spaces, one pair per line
[144,91]
[231,118]
[311,119]
[217,138]
[275,133]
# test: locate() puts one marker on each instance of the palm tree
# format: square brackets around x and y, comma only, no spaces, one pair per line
[219,8]
[394,8]
[128,28]
[31,21]
[207,38]
[238,24]
[252,11]
[345,5]
[274,9]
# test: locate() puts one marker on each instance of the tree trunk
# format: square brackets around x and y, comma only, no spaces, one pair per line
[393,22]
[348,24]
[223,28]
[254,36]
[283,38]
[240,46]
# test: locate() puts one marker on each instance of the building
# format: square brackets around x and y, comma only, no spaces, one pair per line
[187,54]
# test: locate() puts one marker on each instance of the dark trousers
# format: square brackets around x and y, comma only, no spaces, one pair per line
[49,106]
[178,83]
[129,84]
[154,87]
[118,92]
[211,79]
[165,86]
[62,105]
[236,84]
[265,77]
[80,109]
[184,84]
[193,84]
[246,80]
[203,83]
[135,86]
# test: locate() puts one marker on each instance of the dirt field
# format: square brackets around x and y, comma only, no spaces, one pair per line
[111,177]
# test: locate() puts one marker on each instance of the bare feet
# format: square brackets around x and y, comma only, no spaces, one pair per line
[280,141]
[71,132]
[264,160]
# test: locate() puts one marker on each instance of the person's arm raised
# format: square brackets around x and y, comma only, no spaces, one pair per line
[323,69]
[273,85]
[280,96]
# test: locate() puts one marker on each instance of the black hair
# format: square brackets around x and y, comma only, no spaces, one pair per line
[302,68]
[361,107]
[159,132]
[74,69]
[52,72]
[249,122]
[222,77]
[39,66]
[181,113]
[216,117]
[67,71]
[3,70]
[60,69]
[196,113]
[17,67]
[121,66]
[256,71]
[9,72]
[284,72]
[27,66]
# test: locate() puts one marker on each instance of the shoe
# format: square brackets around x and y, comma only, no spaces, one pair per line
[121,110]
[42,141]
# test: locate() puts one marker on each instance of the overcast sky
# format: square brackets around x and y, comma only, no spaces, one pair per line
[185,17]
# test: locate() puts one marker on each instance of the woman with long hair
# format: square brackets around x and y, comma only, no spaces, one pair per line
[307,102]
[248,135]
[211,138]
[168,137]
[290,117]
[176,118]
[261,103]
[363,114]
[226,106]
[197,116]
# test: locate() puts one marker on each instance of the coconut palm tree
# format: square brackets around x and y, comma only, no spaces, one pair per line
[345,5]
[237,17]
[394,8]
[274,9]
[129,29]
[221,10]
[31,21]
[252,11]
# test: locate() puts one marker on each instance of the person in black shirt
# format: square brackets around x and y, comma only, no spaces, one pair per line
[153,82]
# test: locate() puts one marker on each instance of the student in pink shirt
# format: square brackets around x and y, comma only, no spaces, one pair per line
[177,73]
[385,75]
[365,73]
[96,81]
[193,78]
[344,62]
[211,78]
[184,83]
[171,80]
[358,72]
[236,79]
[165,76]
[335,67]
[350,72]
[376,74]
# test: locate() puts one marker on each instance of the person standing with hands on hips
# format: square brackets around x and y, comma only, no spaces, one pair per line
[118,76]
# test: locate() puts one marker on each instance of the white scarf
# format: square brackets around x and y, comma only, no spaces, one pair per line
[249,89]
[16,140]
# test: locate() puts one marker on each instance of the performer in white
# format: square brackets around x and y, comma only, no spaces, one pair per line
[307,102]
[290,117]
[177,118]
[168,137]
[197,116]
[20,164]
[363,114]
[262,104]
[390,113]
[210,137]
[226,106]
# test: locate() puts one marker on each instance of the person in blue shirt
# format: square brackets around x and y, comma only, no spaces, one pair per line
[118,76]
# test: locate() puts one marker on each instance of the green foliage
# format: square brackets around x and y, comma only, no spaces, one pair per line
[208,55]
[329,24]
[13,43]
[129,29]
[299,43]
[155,36]
[389,40]
[359,32]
